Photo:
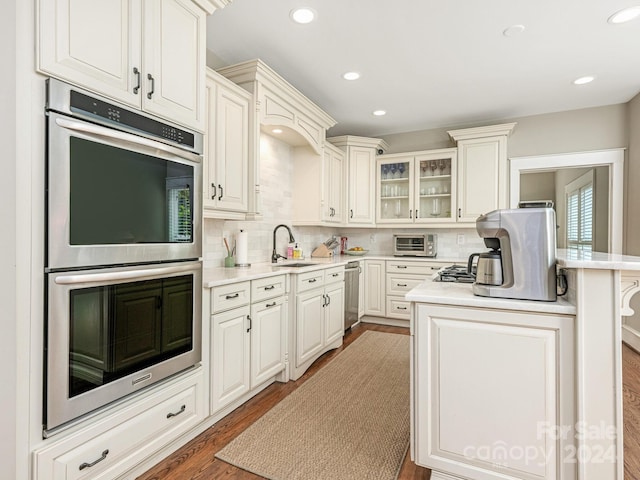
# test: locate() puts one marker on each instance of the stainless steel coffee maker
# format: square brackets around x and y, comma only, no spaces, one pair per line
[523,243]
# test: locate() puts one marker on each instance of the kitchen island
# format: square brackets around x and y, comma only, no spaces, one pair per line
[516,389]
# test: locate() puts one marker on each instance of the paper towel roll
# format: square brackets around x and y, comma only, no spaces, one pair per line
[242,248]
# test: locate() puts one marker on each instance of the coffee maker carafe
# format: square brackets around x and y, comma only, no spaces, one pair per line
[523,244]
[488,270]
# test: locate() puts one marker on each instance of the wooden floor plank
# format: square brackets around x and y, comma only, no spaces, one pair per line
[196,461]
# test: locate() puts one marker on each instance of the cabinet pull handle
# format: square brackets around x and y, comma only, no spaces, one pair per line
[312,280]
[459,213]
[402,308]
[182,409]
[230,297]
[401,266]
[221,192]
[89,465]
[269,305]
[417,213]
[249,318]
[270,287]
[328,299]
[402,284]
[410,214]
[153,86]
[215,191]
[136,72]
[335,274]
[351,213]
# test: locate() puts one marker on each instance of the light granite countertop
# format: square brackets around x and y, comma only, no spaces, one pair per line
[597,260]
[213,277]
[460,294]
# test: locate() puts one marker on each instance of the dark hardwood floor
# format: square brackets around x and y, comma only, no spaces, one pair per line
[196,461]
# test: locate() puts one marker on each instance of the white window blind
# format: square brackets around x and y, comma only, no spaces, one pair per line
[580,222]
[179,210]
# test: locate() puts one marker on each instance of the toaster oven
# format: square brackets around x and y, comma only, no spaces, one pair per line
[412,245]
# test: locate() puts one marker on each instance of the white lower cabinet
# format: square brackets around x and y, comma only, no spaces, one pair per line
[492,391]
[319,316]
[230,356]
[387,282]
[374,291]
[268,339]
[113,444]
[248,337]
[402,276]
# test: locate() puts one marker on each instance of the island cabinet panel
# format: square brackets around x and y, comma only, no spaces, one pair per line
[494,389]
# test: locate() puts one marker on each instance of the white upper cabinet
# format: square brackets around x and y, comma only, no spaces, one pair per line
[360,156]
[333,180]
[174,60]
[226,184]
[149,54]
[482,170]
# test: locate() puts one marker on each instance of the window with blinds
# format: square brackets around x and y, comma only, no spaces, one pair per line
[579,194]
[179,210]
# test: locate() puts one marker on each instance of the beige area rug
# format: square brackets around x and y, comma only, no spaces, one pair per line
[348,421]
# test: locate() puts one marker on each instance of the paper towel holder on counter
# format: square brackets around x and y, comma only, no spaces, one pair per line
[242,244]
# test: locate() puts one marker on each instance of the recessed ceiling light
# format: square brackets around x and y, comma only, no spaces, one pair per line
[379,113]
[302,15]
[625,15]
[351,76]
[277,130]
[513,30]
[584,80]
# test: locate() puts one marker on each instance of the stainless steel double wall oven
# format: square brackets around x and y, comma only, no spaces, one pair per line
[123,252]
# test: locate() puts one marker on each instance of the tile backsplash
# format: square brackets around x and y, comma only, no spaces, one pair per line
[276,177]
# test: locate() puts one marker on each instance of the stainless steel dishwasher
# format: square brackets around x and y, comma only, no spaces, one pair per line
[352,291]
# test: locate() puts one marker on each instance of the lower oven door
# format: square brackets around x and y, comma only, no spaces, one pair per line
[111,332]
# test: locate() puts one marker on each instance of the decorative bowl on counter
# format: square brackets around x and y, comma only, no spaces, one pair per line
[356,252]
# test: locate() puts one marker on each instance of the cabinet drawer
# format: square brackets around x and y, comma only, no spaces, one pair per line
[111,447]
[398,307]
[334,274]
[309,280]
[268,288]
[414,268]
[400,284]
[230,296]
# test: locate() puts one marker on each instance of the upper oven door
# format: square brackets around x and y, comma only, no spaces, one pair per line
[117,198]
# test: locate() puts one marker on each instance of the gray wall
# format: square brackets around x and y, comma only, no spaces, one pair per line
[632,203]
[573,131]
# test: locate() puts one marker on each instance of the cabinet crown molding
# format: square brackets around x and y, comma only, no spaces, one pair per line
[354,141]
[246,74]
[479,132]
[211,6]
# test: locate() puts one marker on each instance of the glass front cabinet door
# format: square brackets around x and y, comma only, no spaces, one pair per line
[416,188]
[395,190]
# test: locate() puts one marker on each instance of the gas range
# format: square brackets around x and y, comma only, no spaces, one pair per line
[454,273]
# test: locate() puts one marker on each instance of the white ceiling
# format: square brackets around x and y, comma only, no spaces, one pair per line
[434,63]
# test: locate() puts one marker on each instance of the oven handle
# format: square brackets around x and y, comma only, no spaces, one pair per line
[103,277]
[123,139]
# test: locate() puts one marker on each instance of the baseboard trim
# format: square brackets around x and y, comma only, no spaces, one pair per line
[631,337]
[385,321]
